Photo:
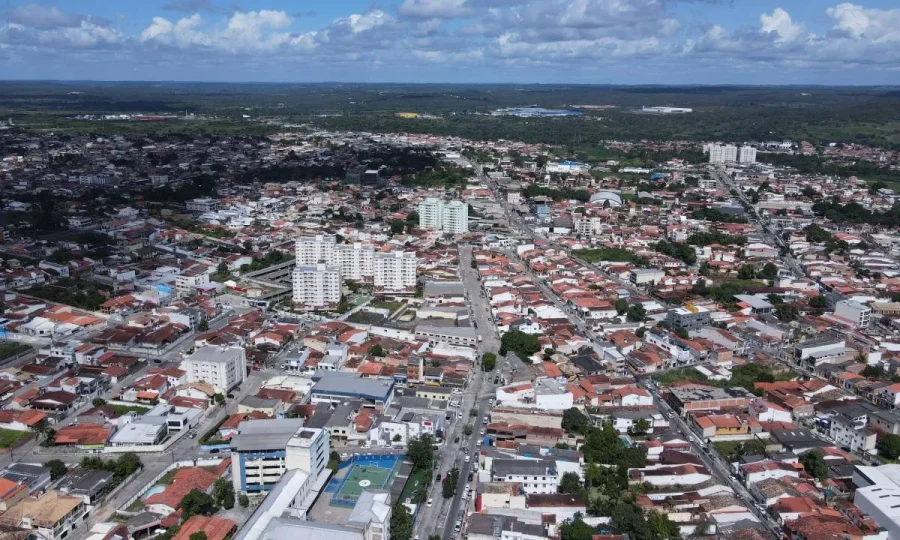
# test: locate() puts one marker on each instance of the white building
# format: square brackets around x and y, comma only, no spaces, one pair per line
[313,250]
[203,205]
[747,154]
[514,196]
[356,261]
[878,495]
[858,314]
[317,287]
[451,217]
[395,271]
[850,433]
[536,476]
[222,367]
[308,451]
[456,218]
[722,153]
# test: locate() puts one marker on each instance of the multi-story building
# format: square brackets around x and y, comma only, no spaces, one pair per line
[203,205]
[850,433]
[395,271]
[451,217]
[222,367]
[688,318]
[313,250]
[747,154]
[856,313]
[722,153]
[535,476]
[456,218]
[263,450]
[356,261]
[316,287]
[51,515]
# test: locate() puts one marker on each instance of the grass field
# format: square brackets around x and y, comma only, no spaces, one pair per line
[9,437]
[415,485]
[124,409]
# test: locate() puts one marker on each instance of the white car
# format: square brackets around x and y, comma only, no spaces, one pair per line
[430,502]
[482,433]
[468,458]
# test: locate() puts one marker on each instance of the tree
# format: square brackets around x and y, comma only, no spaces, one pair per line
[468,429]
[203,326]
[412,217]
[377,350]
[199,535]
[574,420]
[621,306]
[814,463]
[221,488]
[570,484]
[875,371]
[420,452]
[401,527]
[228,500]
[397,437]
[222,269]
[747,271]
[397,226]
[197,503]
[520,343]
[218,398]
[243,500]
[449,483]
[57,468]
[488,361]
[640,427]
[576,529]
[661,526]
[682,333]
[818,302]
[769,271]
[787,312]
[888,445]
[98,402]
[636,313]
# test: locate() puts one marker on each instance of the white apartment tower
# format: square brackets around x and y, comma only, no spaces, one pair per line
[747,155]
[431,213]
[395,271]
[317,287]
[313,250]
[456,218]
[222,367]
[451,217]
[354,260]
[722,153]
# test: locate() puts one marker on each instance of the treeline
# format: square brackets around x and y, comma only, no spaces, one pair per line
[716,215]
[677,250]
[815,164]
[853,212]
[562,194]
[597,255]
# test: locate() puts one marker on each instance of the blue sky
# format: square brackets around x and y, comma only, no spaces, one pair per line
[488,41]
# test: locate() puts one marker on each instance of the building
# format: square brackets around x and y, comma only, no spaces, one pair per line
[858,314]
[339,386]
[646,276]
[395,272]
[203,205]
[747,154]
[449,217]
[492,527]
[535,475]
[222,367]
[851,433]
[465,335]
[696,397]
[312,250]
[878,495]
[262,450]
[316,287]
[52,514]
[688,318]
[514,196]
[356,261]
[719,153]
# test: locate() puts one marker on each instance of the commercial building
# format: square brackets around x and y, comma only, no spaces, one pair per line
[203,205]
[722,153]
[536,476]
[448,334]
[222,367]
[688,318]
[646,276]
[449,217]
[339,386]
[857,314]
[316,287]
[695,397]
[878,495]
[851,433]
[395,272]
[262,450]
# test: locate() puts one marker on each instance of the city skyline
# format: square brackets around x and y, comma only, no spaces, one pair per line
[466,41]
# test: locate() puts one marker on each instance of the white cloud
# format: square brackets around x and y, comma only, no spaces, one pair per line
[183,33]
[366,21]
[780,23]
[43,17]
[878,25]
[429,9]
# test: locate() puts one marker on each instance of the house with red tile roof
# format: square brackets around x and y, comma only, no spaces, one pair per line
[17,420]
[184,481]
[83,434]
[214,527]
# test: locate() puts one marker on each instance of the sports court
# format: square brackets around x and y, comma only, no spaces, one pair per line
[374,473]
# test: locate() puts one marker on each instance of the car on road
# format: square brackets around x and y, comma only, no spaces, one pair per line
[482,433]
[468,458]
[458,525]
[345,455]
[430,502]
[459,415]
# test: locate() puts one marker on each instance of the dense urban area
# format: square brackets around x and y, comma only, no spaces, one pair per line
[320,329]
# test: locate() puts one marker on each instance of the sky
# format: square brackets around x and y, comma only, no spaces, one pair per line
[461,41]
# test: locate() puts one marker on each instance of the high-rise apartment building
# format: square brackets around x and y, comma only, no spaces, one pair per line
[395,271]
[317,287]
[313,250]
[722,153]
[451,217]
[747,155]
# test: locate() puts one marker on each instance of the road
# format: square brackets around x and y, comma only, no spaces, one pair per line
[717,466]
[441,517]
